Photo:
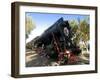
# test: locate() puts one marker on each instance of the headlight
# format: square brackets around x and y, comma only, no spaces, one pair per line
[67,51]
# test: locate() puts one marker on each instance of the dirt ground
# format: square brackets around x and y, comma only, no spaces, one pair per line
[36,60]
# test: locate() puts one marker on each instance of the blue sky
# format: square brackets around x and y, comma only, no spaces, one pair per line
[45,20]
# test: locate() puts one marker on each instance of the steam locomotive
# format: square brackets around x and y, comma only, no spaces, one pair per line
[57,39]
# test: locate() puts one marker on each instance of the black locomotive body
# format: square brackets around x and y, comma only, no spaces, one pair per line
[57,39]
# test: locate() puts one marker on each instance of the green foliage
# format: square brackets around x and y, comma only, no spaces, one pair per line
[84,28]
[80,30]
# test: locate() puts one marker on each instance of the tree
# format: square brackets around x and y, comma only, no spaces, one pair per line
[75,30]
[29,25]
[84,28]
[80,31]
[84,34]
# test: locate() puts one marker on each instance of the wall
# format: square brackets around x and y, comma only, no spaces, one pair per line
[5,40]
